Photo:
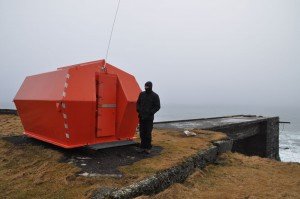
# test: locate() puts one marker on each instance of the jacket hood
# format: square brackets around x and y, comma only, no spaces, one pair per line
[149,85]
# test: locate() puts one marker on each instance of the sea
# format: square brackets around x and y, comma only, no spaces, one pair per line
[289,134]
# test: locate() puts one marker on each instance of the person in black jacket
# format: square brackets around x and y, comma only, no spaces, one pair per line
[148,104]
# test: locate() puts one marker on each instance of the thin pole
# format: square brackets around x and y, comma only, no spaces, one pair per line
[110,37]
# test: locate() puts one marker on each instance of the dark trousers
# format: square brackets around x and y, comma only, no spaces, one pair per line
[146,127]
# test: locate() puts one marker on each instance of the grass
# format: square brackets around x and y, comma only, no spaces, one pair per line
[239,176]
[177,147]
[34,171]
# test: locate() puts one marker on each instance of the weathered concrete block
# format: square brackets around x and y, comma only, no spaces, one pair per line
[272,138]
[252,135]
[224,146]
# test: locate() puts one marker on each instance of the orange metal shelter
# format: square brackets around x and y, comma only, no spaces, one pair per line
[79,105]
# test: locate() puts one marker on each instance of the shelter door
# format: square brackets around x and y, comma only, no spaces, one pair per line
[106,105]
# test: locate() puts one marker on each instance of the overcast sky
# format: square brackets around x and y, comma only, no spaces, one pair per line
[195,52]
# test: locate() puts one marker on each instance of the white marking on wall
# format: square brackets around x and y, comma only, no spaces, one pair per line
[67,134]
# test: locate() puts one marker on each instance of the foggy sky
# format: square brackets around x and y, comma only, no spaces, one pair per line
[195,52]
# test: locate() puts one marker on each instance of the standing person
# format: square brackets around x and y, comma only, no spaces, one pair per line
[147,105]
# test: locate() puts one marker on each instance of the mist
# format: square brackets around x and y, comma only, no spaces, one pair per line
[195,52]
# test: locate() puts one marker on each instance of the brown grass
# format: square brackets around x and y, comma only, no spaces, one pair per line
[10,125]
[176,146]
[29,171]
[239,176]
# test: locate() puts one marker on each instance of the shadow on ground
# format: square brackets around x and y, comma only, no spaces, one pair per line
[103,161]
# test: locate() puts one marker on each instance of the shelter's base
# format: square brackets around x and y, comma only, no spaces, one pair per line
[111,144]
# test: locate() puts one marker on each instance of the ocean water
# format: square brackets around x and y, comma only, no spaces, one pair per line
[289,143]
[289,135]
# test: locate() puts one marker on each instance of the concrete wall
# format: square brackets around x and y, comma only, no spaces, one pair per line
[259,138]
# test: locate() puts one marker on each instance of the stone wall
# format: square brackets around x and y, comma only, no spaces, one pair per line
[8,111]
[163,179]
